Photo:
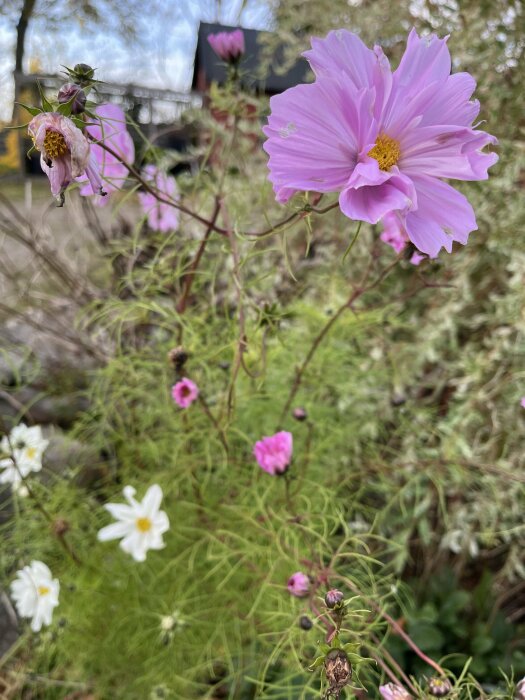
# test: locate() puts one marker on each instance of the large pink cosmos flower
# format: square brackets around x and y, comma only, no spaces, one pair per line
[110,128]
[229,46]
[274,453]
[382,139]
[65,153]
[161,217]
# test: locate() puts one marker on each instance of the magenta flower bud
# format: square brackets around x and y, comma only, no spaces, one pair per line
[299,584]
[299,414]
[334,598]
[74,94]
[393,691]
[229,46]
[439,687]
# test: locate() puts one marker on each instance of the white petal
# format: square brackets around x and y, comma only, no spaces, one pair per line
[114,531]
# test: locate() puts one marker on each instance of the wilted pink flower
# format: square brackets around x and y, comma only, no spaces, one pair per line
[393,691]
[274,453]
[161,217]
[110,129]
[185,392]
[395,235]
[382,139]
[299,584]
[520,690]
[229,46]
[65,153]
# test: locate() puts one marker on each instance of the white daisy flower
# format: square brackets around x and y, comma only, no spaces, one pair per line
[35,594]
[140,525]
[24,449]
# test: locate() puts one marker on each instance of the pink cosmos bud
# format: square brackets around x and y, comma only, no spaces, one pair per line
[393,691]
[299,584]
[520,687]
[299,414]
[74,94]
[178,357]
[229,46]
[334,598]
[439,687]
[274,453]
[184,392]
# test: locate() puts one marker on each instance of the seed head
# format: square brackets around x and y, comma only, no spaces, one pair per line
[338,672]
[178,357]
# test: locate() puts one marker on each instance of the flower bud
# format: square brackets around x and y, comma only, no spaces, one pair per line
[299,414]
[334,598]
[84,73]
[178,357]
[305,623]
[439,687]
[60,527]
[74,94]
[338,671]
[520,690]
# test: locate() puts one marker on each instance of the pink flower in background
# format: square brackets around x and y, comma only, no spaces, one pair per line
[522,402]
[382,139]
[161,217]
[393,691]
[110,128]
[395,236]
[299,584]
[274,453]
[184,392]
[229,46]
[65,153]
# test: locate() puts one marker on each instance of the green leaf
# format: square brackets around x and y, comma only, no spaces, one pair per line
[32,110]
[46,104]
[426,636]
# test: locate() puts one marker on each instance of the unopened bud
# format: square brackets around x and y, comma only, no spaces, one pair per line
[83,73]
[439,687]
[338,671]
[60,527]
[334,598]
[305,623]
[75,95]
[178,357]
[299,414]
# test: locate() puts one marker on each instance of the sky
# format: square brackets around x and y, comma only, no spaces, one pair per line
[162,58]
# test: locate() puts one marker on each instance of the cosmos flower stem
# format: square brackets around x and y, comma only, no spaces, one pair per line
[190,275]
[206,410]
[394,625]
[393,663]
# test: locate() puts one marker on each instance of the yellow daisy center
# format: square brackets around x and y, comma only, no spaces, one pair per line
[31,452]
[143,524]
[386,151]
[55,144]
[43,590]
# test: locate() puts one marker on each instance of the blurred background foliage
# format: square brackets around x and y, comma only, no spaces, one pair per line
[408,477]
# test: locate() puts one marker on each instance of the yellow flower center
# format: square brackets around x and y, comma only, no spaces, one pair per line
[386,151]
[143,524]
[43,590]
[55,144]
[31,452]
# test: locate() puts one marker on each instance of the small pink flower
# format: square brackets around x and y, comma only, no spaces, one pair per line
[110,129]
[161,217]
[522,404]
[395,235]
[392,691]
[65,153]
[299,584]
[229,46]
[185,392]
[274,453]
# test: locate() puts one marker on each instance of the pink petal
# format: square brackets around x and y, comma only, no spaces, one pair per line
[443,215]
[372,203]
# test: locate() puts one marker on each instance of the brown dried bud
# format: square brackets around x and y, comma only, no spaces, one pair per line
[439,687]
[299,414]
[338,671]
[305,623]
[60,527]
[178,357]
